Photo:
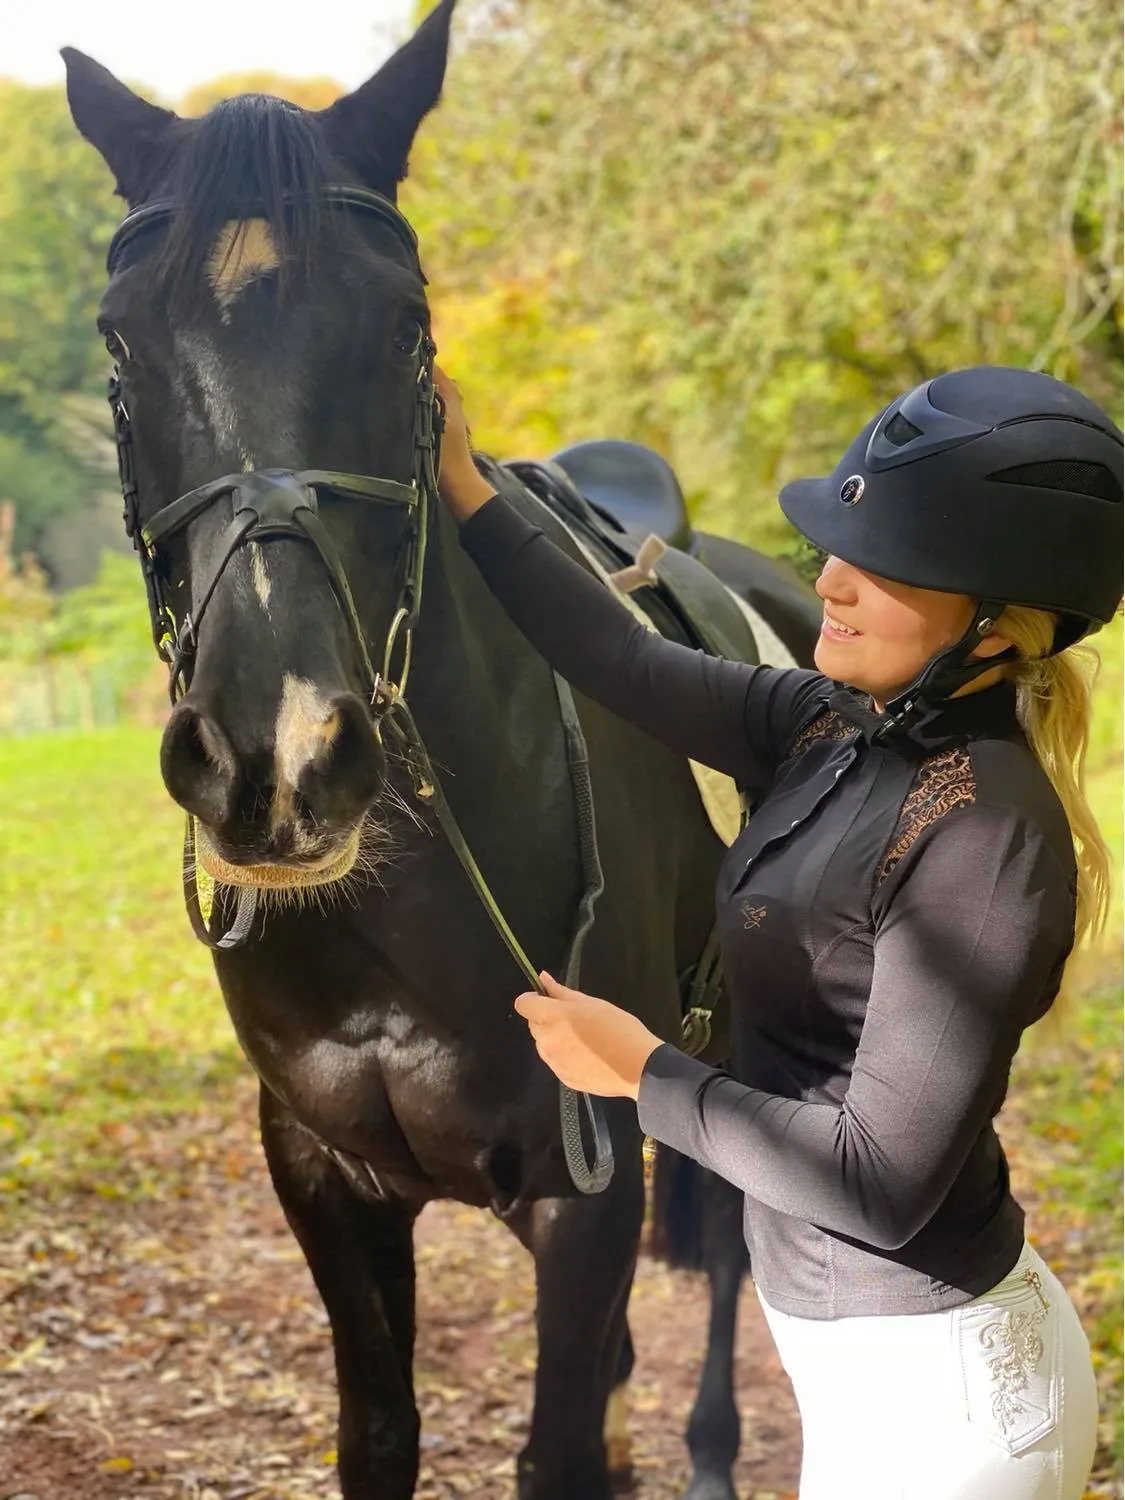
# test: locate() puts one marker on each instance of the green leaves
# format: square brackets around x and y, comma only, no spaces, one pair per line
[732,232]
[57,213]
[776,219]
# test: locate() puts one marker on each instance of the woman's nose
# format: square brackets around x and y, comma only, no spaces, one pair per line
[836,581]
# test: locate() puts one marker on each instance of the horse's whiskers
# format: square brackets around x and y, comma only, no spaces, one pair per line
[275,899]
[394,797]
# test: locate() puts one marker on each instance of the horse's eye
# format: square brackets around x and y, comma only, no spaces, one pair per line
[409,339]
[116,346]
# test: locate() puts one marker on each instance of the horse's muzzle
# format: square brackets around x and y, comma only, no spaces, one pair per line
[293,801]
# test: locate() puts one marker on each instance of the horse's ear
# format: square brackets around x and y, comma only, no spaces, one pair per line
[372,129]
[134,137]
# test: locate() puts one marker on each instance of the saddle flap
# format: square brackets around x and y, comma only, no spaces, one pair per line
[708,606]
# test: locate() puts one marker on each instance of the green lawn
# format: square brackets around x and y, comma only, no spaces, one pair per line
[110,1008]
[112,1022]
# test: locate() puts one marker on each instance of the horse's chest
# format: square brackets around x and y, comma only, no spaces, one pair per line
[421,1107]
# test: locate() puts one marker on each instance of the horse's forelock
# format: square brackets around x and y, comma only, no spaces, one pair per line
[251,157]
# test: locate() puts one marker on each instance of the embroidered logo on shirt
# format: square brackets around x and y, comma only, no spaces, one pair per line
[754,915]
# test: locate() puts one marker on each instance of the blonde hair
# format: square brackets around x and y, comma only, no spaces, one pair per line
[1053,703]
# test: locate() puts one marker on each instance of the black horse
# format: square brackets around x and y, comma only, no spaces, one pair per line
[270,323]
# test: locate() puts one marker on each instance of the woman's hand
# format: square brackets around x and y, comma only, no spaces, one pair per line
[588,1044]
[462,487]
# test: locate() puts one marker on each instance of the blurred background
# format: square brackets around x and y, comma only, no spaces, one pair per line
[730,231]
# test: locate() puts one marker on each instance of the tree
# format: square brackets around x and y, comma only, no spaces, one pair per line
[57,214]
[777,217]
[309,93]
[732,231]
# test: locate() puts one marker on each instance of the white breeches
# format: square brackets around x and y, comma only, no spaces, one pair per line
[994,1400]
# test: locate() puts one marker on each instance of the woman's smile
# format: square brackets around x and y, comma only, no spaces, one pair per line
[836,630]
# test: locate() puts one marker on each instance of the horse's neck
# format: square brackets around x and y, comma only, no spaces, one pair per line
[483,699]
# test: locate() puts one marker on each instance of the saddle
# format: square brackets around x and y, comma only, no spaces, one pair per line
[631,485]
[624,505]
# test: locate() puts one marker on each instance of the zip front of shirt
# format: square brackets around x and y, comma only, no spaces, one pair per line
[892,917]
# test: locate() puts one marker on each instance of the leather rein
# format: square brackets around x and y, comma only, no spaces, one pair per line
[284,502]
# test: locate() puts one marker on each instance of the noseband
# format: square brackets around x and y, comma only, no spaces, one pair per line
[285,502]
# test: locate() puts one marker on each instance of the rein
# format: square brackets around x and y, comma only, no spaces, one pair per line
[283,502]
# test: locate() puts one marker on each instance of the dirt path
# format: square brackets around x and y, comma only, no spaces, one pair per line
[175,1347]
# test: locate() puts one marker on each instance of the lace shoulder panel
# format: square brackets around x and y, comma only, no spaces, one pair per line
[826,726]
[941,783]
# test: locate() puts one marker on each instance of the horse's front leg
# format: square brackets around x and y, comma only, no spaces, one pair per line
[361,1256]
[585,1251]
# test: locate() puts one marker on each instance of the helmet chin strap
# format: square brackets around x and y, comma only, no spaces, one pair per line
[946,673]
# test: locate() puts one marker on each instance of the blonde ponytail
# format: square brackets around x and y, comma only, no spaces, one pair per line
[1053,702]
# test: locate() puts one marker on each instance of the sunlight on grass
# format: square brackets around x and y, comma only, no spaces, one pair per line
[111,1009]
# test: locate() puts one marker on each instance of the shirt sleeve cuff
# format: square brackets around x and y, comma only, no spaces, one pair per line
[668,1101]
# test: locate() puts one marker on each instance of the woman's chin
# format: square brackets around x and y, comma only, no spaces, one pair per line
[843,662]
[836,659]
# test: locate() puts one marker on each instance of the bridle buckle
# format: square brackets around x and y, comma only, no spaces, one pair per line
[384,695]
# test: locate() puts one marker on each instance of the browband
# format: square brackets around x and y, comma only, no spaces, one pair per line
[335,195]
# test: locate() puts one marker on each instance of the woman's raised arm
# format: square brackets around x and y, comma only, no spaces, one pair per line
[737,718]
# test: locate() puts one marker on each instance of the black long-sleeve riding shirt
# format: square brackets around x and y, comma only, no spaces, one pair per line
[892,918]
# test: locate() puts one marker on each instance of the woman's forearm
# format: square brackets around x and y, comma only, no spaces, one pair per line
[721,713]
[468,495]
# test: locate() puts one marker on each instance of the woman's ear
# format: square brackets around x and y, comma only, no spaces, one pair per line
[993,644]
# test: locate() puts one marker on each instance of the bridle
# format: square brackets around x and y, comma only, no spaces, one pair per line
[285,502]
[279,502]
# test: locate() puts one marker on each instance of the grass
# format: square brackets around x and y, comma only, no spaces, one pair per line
[113,1022]
[111,1014]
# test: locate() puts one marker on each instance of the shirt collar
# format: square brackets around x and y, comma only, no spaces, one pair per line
[988,714]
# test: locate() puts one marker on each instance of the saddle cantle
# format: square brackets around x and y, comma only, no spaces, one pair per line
[635,492]
[633,485]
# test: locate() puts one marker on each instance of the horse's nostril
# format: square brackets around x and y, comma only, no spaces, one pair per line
[199,766]
[346,776]
[314,782]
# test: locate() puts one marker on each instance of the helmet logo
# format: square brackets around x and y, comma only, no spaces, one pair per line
[851,491]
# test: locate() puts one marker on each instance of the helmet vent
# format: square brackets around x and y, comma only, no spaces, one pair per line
[898,431]
[1073,475]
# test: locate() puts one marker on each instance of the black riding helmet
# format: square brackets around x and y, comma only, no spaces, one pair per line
[1002,484]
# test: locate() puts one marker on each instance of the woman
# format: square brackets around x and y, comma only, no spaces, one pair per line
[899,908]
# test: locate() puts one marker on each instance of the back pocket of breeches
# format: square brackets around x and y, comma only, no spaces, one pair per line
[1007,1344]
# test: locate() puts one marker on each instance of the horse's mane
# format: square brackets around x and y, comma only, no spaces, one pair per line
[251,156]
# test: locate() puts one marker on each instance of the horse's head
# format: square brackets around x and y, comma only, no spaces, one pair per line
[262,321]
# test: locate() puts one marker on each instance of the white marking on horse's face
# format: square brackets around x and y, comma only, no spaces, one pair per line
[214,384]
[306,726]
[243,249]
[260,576]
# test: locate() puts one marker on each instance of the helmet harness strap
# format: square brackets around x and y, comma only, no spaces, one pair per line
[947,672]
